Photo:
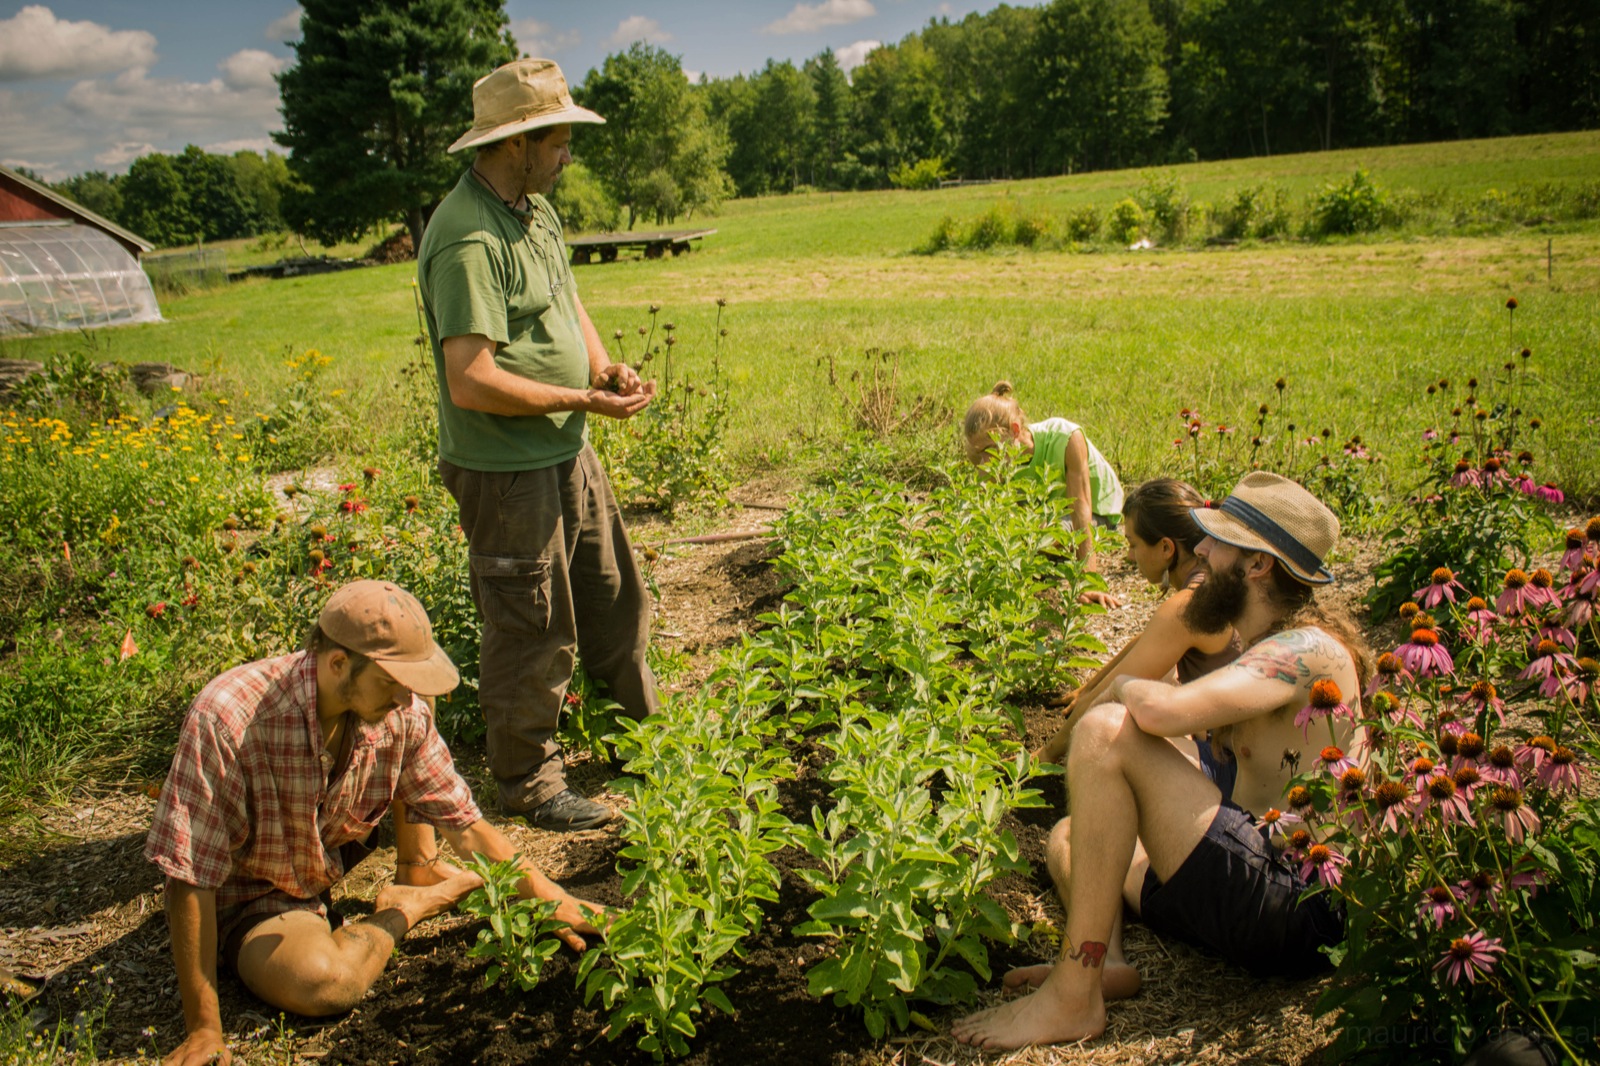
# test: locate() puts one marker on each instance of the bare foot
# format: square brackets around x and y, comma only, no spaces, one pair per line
[1119,981]
[418,904]
[434,873]
[1050,1015]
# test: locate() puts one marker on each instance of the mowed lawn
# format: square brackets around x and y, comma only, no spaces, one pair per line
[1117,340]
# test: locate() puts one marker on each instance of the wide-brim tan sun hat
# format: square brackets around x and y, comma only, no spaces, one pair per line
[525,94]
[1269,513]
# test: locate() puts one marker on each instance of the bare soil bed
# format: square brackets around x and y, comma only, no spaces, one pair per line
[83,909]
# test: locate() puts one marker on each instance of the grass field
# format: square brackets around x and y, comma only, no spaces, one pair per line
[1116,340]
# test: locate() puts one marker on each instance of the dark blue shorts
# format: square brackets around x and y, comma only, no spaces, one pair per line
[1236,897]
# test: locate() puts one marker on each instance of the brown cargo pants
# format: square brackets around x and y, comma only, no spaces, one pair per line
[552,572]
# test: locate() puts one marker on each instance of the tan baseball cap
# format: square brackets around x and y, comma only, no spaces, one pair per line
[385,623]
[525,94]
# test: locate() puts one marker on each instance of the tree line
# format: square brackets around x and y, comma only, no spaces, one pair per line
[379,89]
[189,197]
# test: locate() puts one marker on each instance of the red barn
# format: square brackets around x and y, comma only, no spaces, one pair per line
[63,266]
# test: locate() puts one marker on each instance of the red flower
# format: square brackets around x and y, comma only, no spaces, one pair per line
[156,610]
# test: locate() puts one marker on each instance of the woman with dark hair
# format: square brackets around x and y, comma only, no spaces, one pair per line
[1161,540]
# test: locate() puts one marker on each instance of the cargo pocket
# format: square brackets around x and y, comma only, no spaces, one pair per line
[516,592]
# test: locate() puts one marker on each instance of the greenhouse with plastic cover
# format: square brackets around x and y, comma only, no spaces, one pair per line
[62,267]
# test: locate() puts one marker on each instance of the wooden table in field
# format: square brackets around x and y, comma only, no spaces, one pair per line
[655,243]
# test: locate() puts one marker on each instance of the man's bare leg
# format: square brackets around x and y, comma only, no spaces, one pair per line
[1124,785]
[1120,979]
[417,858]
[295,962]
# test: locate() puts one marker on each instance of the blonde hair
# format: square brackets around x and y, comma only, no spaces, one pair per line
[989,412]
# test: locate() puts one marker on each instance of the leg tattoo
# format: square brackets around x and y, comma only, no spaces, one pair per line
[1090,953]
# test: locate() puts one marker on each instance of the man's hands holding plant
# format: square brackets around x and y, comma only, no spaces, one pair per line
[617,392]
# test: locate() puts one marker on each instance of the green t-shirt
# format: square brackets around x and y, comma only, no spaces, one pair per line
[1050,439]
[484,268]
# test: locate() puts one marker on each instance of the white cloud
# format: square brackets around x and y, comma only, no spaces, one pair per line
[692,75]
[36,44]
[133,98]
[287,27]
[852,56]
[122,153]
[808,18]
[535,38]
[251,68]
[638,28]
[259,145]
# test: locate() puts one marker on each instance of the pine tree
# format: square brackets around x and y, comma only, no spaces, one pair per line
[378,91]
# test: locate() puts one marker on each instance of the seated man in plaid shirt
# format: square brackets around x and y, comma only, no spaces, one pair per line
[284,768]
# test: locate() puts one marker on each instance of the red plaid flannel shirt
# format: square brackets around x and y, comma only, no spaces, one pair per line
[247,809]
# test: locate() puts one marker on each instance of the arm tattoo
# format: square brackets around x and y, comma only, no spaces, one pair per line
[1090,953]
[1282,656]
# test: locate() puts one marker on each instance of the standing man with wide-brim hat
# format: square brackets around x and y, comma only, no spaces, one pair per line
[520,367]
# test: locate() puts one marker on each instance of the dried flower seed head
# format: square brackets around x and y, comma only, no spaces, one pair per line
[1447,744]
[643,331]
[1441,787]
[1483,416]
[1511,304]
[1280,384]
[229,547]
[318,533]
[1515,578]
[1444,383]
[1455,412]
[671,340]
[1472,383]
[1255,442]
[1541,578]
[1326,433]
[230,523]
[1262,410]
[1409,610]
[1470,745]
[1534,423]
[315,555]
[370,473]
[1527,353]
[412,503]
[1508,366]
[191,563]
[1389,793]
[655,308]
[248,568]
[1432,388]
[668,326]
[616,335]
[1299,797]
[1352,780]
[1299,839]
[722,302]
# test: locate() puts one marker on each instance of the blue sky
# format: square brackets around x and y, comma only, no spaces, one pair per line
[94,84]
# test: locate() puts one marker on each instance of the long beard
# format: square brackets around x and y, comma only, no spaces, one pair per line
[1218,602]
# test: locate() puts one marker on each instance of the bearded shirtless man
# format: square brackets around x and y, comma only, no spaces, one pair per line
[1209,876]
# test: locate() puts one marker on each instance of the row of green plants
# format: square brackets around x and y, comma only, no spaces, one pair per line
[912,623]
[1162,212]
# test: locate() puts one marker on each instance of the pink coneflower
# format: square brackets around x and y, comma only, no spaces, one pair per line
[1390,797]
[1526,485]
[1300,798]
[1326,701]
[1493,468]
[1421,771]
[1533,754]
[1441,789]
[1560,772]
[1467,778]
[1501,767]
[1430,434]
[1542,585]
[1479,628]
[1334,760]
[1580,599]
[1424,656]
[1557,634]
[1573,557]
[1439,904]
[1514,598]
[1552,664]
[1277,822]
[1481,697]
[1470,956]
[1516,817]
[1549,493]
[1582,681]
[1324,861]
[1466,475]
[1296,844]
[1441,586]
[1409,610]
